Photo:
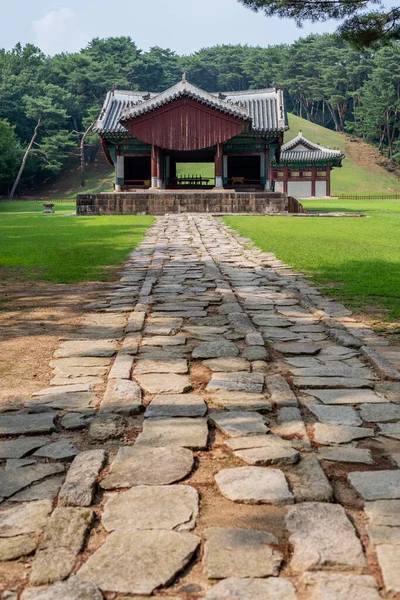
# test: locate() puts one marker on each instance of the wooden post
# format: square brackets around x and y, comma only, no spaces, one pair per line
[328,180]
[153,167]
[159,168]
[218,167]
[267,168]
[313,180]
[119,172]
[285,178]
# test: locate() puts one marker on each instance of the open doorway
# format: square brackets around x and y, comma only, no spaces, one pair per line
[191,170]
[137,171]
[244,171]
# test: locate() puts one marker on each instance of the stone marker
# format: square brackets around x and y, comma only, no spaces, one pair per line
[176,405]
[239,423]
[80,482]
[148,466]
[20,447]
[271,588]
[383,512]
[63,539]
[25,423]
[137,562]
[254,485]
[164,383]
[15,480]
[322,536]
[122,396]
[240,553]
[280,391]
[25,518]
[389,559]
[219,349]
[336,415]
[184,432]
[15,547]
[335,586]
[347,396]
[152,507]
[346,454]
[309,482]
[325,433]
[376,485]
[64,590]
[243,382]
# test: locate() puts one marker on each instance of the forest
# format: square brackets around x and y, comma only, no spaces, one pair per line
[53,100]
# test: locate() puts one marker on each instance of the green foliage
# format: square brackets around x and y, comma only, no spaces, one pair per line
[10,154]
[362,266]
[104,242]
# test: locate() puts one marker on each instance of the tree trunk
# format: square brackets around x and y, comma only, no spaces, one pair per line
[22,167]
[82,151]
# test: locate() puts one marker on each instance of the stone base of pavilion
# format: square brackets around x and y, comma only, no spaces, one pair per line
[162,202]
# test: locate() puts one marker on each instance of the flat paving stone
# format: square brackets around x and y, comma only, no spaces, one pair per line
[280,392]
[153,507]
[376,485]
[326,433]
[64,590]
[336,415]
[263,450]
[174,365]
[348,396]
[88,348]
[148,466]
[63,539]
[76,401]
[389,560]
[331,382]
[122,396]
[23,423]
[383,512]
[322,536]
[164,383]
[164,340]
[15,547]
[374,413]
[270,588]
[28,518]
[176,432]
[176,405]
[47,489]
[381,534]
[227,365]
[64,389]
[308,481]
[218,349]
[239,423]
[137,562]
[241,401]
[254,485]
[391,430]
[244,382]
[80,482]
[255,353]
[298,348]
[336,586]
[20,447]
[59,450]
[240,553]
[77,420]
[15,480]
[346,454]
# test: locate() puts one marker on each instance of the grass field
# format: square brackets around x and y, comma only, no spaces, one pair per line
[354,260]
[62,248]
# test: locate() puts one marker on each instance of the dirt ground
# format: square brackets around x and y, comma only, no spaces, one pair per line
[33,318]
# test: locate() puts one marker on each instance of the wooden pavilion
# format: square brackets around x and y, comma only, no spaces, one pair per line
[145,135]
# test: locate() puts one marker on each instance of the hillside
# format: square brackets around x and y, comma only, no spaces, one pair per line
[361,172]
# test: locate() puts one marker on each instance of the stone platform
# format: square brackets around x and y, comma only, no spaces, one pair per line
[182,201]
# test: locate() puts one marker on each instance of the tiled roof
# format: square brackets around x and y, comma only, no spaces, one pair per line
[263,108]
[302,150]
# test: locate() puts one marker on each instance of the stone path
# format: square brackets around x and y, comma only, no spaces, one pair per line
[216,429]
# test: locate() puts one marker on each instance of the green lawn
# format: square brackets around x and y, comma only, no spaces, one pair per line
[62,248]
[356,260]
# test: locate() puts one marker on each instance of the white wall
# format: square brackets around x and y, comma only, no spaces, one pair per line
[320,189]
[299,189]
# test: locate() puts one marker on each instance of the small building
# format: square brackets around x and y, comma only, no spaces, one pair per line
[304,168]
[145,135]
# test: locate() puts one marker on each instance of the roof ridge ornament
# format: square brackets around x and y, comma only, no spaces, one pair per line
[184,80]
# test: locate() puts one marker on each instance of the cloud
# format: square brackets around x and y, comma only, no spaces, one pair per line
[58,32]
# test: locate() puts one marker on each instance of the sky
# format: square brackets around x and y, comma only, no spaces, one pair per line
[181,25]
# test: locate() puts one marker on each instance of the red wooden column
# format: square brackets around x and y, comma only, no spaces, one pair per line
[285,178]
[328,180]
[154,166]
[313,180]
[219,184]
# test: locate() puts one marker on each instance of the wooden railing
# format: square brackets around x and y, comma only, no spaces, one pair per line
[367,196]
